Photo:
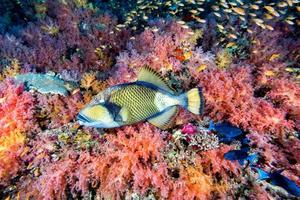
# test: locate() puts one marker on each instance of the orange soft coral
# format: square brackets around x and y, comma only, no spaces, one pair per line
[89,81]
[16,108]
[11,147]
[194,183]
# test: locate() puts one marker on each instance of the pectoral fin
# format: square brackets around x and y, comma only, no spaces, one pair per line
[124,113]
[262,174]
[164,120]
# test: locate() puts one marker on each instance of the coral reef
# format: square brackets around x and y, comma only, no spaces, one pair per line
[54,111]
[17,119]
[238,104]
[70,37]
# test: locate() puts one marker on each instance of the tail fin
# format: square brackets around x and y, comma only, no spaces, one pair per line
[194,101]
[211,126]
[262,175]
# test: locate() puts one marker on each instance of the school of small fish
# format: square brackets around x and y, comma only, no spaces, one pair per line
[229,15]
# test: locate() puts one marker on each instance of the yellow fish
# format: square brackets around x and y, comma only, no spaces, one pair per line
[269,73]
[272,11]
[288,69]
[255,7]
[230,44]
[239,11]
[269,27]
[149,98]
[201,68]
[274,56]
[193,11]
[233,36]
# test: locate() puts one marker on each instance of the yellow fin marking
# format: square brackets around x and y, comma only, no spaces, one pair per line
[164,120]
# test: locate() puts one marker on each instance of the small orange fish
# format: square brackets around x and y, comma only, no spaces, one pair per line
[179,54]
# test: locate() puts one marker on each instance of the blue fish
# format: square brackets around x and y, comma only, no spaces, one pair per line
[226,131]
[245,141]
[241,155]
[277,179]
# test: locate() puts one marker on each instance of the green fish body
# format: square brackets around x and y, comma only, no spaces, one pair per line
[149,98]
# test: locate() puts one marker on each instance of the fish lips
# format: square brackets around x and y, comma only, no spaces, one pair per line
[84,120]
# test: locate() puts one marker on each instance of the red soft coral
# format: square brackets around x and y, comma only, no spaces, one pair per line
[278,153]
[16,108]
[56,110]
[16,119]
[229,96]
[214,162]
[286,94]
[133,155]
[71,172]
[68,38]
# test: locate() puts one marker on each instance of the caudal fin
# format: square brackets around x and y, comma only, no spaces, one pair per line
[195,101]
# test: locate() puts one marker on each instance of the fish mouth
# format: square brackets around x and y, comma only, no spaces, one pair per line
[83,119]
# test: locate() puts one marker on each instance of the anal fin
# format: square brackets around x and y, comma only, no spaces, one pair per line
[165,119]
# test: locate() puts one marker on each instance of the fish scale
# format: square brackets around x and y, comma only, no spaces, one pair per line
[131,97]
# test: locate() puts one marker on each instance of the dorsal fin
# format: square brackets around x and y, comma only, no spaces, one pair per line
[149,75]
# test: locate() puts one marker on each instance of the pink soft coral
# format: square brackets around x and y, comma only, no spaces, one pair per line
[273,46]
[133,155]
[229,96]
[131,161]
[72,171]
[16,119]
[278,153]
[56,110]
[286,94]
[163,50]
[214,162]
[73,47]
